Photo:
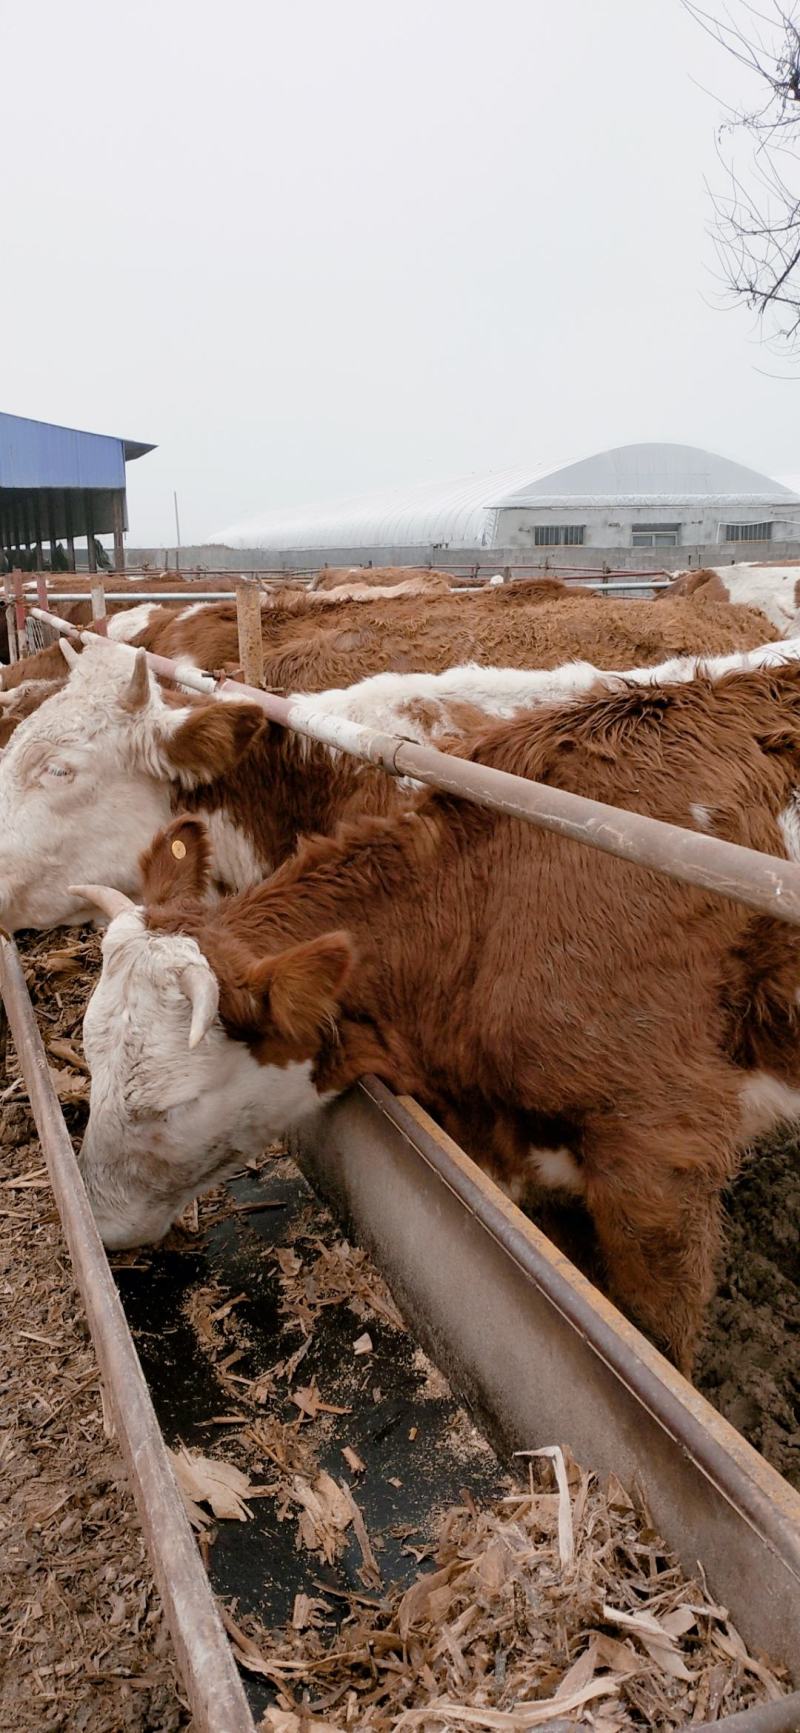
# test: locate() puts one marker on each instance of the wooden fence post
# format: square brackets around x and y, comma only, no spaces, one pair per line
[248,620]
[99,620]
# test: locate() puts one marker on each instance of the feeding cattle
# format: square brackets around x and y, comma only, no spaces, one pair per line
[775,590]
[617,1030]
[538,624]
[87,780]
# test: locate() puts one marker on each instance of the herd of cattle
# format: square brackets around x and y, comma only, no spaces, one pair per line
[283,918]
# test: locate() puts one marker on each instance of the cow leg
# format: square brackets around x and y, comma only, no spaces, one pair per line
[656,1206]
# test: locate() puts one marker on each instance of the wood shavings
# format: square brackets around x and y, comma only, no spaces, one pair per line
[363,1344]
[206,1480]
[555,1598]
[331,1275]
[82,1637]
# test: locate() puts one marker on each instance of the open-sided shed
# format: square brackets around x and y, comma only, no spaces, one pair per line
[59,484]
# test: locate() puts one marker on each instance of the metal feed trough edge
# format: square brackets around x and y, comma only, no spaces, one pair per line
[207,1667]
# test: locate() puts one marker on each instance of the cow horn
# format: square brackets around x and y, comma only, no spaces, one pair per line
[109,901]
[138,689]
[68,652]
[199,984]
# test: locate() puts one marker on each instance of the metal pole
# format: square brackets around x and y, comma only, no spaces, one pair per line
[761,881]
[118,513]
[11,628]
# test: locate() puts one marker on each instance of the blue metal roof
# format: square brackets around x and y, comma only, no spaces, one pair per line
[36,454]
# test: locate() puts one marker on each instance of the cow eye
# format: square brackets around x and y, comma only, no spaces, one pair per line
[58,770]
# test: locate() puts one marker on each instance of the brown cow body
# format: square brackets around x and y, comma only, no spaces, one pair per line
[582,1008]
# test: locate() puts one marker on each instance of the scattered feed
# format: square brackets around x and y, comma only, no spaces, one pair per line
[503,1620]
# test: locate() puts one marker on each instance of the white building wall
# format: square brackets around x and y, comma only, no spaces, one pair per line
[611,525]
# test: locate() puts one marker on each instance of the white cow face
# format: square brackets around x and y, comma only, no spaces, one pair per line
[177,1101]
[88,779]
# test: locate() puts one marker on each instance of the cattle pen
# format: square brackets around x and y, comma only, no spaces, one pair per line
[539,1354]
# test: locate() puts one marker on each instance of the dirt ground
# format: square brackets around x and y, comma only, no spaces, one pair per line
[81,1627]
[750,1361]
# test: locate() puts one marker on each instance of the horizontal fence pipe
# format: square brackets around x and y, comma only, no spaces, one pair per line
[218,1701]
[117,598]
[761,881]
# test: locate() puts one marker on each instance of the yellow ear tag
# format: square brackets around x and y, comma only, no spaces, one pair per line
[179,849]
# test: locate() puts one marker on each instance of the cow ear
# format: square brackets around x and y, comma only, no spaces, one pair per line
[177,863]
[213,739]
[300,989]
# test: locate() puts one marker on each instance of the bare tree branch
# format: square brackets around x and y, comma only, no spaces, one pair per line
[756,226]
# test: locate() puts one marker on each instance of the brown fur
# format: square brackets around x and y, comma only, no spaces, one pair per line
[27,698]
[502,627]
[704,584]
[386,577]
[522,625]
[514,979]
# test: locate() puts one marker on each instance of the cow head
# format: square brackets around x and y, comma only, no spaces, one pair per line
[87,780]
[199,1053]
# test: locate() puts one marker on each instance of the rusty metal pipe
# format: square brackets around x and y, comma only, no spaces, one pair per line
[761,881]
[782,1716]
[218,1701]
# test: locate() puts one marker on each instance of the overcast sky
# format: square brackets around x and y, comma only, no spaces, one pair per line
[310,249]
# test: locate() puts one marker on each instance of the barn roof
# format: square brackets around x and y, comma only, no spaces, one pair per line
[44,454]
[59,481]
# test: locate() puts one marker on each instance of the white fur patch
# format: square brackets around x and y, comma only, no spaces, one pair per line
[770,588]
[195,608]
[789,827]
[84,785]
[557,1168]
[766,1103]
[701,816]
[233,855]
[130,622]
[385,702]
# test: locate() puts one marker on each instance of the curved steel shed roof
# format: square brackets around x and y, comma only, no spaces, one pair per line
[463,513]
[445,514]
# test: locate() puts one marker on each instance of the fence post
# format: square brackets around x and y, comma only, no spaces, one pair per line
[20,618]
[99,621]
[9,613]
[248,620]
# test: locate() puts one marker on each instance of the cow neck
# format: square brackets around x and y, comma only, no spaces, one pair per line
[286,787]
[368,881]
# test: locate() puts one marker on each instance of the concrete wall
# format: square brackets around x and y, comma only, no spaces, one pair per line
[462,561]
[612,527]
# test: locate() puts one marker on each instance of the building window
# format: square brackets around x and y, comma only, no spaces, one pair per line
[655,535]
[558,535]
[745,532]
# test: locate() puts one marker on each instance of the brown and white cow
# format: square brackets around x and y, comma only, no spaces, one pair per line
[87,780]
[615,1028]
[775,590]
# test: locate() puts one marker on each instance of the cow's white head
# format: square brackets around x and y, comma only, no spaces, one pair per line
[193,1066]
[87,780]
